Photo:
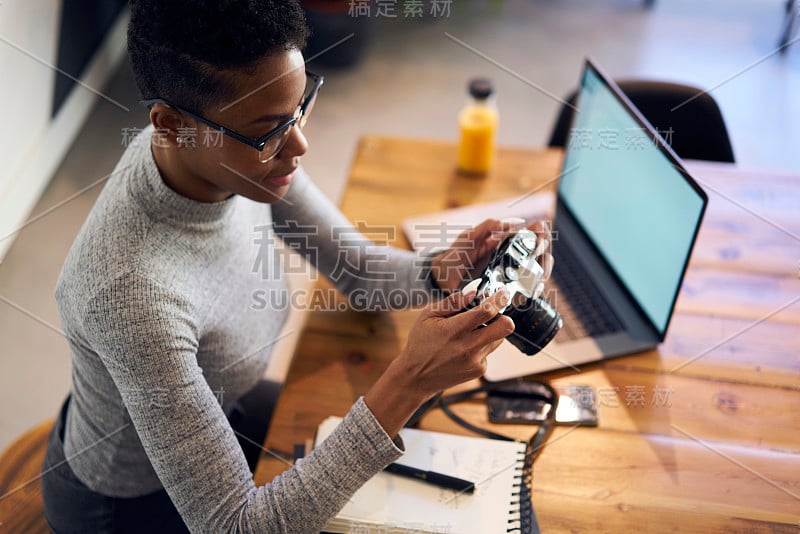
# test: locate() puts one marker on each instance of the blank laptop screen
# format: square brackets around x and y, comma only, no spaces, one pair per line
[637,208]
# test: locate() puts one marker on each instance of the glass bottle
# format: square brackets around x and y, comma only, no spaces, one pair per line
[478,125]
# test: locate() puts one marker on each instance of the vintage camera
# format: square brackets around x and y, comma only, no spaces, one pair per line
[513,265]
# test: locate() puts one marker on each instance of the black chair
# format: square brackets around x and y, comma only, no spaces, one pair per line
[790,23]
[250,417]
[696,129]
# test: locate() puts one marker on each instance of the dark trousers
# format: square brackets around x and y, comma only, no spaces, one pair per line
[70,506]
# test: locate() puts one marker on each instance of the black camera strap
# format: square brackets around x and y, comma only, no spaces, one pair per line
[536,441]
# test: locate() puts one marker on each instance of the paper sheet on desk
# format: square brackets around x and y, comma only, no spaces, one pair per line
[391,500]
[434,230]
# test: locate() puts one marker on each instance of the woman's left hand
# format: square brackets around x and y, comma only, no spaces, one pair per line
[471,249]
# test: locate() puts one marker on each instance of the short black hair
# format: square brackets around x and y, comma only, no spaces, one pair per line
[185,50]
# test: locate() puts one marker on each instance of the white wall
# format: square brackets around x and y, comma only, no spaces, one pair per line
[31,144]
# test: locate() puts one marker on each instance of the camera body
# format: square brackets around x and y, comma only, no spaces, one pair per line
[513,265]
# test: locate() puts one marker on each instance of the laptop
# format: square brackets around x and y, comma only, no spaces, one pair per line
[627,214]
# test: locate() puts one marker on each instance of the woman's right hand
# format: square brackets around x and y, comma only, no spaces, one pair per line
[444,348]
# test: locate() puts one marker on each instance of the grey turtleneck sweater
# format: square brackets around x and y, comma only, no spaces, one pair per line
[163,300]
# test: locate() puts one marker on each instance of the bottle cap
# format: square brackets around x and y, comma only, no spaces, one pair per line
[480,88]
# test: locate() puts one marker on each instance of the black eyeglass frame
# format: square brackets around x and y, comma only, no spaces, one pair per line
[258,142]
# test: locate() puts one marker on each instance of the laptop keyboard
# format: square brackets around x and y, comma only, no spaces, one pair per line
[584,309]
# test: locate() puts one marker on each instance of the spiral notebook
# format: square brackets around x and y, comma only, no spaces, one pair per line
[391,503]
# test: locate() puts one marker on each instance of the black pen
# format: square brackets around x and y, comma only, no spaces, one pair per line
[431,477]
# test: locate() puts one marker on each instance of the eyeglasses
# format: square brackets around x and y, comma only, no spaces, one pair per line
[271,143]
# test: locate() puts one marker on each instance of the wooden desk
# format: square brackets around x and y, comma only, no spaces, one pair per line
[713,445]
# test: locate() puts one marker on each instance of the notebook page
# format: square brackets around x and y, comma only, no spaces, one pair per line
[404,503]
[426,231]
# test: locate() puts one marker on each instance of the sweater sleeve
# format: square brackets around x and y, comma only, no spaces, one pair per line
[375,277]
[145,335]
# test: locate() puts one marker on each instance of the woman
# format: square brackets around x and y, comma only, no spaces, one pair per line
[155,294]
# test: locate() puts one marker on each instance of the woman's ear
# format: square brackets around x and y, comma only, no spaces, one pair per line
[167,123]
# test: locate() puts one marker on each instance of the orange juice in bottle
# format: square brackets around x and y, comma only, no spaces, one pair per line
[478,125]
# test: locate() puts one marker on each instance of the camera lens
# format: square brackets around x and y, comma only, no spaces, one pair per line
[537,323]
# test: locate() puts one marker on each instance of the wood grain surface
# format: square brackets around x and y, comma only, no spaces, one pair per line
[21,508]
[700,435]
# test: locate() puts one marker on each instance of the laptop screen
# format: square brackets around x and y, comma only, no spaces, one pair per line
[639,210]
